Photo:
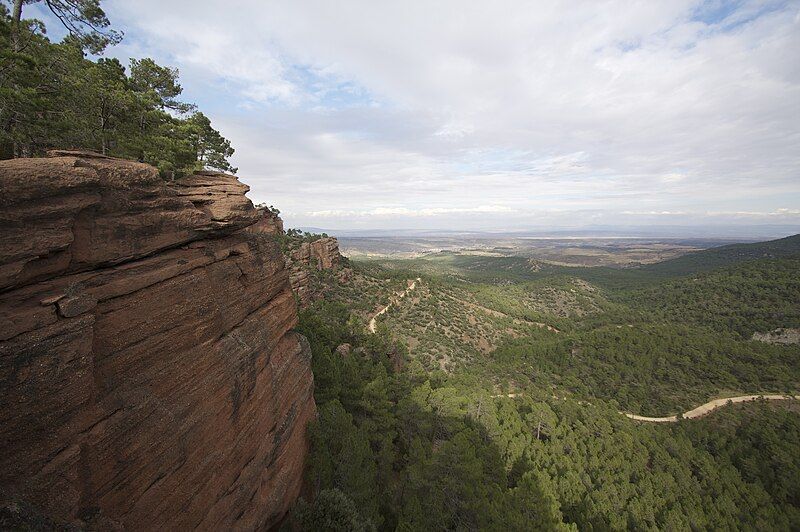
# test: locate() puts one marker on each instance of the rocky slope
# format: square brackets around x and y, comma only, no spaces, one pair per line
[149,377]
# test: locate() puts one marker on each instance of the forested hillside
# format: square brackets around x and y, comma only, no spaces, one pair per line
[755,296]
[491,396]
[414,450]
[709,259]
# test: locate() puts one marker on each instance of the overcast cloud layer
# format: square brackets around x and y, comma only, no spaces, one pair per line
[493,115]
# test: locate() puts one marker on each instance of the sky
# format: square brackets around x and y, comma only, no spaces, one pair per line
[494,115]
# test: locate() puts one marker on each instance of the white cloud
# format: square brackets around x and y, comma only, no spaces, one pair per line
[783,213]
[412,107]
[402,211]
[655,213]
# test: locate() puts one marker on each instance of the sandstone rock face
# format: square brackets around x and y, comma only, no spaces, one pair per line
[269,223]
[325,252]
[300,282]
[149,377]
[321,254]
[302,254]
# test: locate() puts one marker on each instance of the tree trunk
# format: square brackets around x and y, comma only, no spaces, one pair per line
[141,136]
[16,18]
[103,129]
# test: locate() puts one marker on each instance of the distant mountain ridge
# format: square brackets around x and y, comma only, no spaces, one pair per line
[709,259]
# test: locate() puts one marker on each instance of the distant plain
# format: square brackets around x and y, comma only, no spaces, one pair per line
[586,251]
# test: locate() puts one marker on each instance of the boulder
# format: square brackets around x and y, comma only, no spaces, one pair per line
[343,350]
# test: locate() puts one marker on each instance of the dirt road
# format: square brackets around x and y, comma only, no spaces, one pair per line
[710,406]
[373,324]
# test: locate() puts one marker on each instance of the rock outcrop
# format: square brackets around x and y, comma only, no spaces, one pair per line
[322,254]
[149,377]
[303,258]
[269,223]
[325,252]
[783,336]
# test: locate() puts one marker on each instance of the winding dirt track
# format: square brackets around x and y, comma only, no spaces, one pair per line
[710,406]
[700,411]
[373,324]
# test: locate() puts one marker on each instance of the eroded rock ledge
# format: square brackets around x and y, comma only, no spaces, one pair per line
[149,377]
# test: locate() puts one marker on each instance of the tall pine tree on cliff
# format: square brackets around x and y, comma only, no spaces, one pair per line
[53,96]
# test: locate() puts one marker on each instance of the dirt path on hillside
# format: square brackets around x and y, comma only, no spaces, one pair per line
[373,323]
[695,413]
[710,406]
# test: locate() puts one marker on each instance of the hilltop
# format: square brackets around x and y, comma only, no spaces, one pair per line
[698,261]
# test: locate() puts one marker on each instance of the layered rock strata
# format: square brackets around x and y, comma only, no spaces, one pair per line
[321,254]
[268,223]
[149,377]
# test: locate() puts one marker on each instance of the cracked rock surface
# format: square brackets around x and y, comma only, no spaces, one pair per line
[149,377]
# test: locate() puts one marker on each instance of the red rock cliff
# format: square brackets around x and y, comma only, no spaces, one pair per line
[149,377]
[321,254]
